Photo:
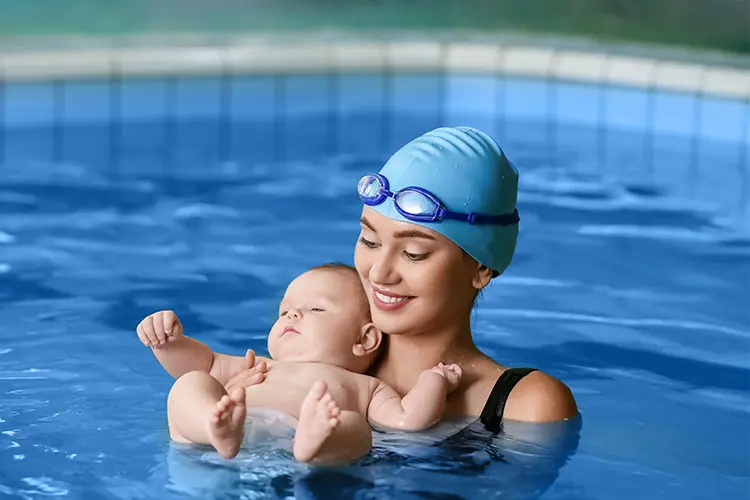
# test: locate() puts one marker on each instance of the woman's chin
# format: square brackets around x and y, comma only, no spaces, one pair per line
[394,323]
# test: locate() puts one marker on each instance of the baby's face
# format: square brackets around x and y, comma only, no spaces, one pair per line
[320,318]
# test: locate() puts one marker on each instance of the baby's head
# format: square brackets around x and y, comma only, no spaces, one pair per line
[325,317]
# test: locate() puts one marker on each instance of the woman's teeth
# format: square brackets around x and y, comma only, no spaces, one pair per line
[389,300]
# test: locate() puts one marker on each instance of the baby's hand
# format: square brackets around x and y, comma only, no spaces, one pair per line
[159,328]
[452,374]
[254,373]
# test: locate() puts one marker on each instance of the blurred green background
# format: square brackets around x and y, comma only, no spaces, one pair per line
[711,24]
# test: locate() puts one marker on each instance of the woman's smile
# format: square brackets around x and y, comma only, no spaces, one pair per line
[389,301]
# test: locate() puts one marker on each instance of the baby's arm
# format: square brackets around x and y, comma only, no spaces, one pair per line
[179,354]
[422,407]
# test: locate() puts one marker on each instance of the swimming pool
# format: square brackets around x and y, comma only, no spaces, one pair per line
[630,282]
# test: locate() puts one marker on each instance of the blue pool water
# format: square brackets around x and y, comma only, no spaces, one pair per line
[627,285]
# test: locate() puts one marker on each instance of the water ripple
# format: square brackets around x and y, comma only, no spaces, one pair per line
[613,320]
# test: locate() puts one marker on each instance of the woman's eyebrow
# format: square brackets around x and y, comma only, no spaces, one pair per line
[413,233]
[409,233]
[367,224]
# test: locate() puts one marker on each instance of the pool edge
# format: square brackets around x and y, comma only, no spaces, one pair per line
[551,58]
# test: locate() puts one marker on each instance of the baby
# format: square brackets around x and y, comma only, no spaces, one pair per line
[320,347]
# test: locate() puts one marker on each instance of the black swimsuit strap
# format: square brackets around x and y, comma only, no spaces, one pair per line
[492,414]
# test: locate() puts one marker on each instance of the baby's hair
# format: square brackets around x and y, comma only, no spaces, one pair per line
[346,268]
[340,266]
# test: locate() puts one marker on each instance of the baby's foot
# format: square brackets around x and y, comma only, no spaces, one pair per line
[318,416]
[226,429]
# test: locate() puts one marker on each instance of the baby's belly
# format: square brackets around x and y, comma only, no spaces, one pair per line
[285,390]
[280,397]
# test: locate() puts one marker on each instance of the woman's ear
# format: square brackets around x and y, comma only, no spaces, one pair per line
[369,341]
[483,276]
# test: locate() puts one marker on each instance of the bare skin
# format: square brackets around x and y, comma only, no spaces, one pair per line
[320,350]
[227,424]
[438,282]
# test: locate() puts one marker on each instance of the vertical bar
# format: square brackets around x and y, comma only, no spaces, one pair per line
[695,137]
[334,115]
[385,131]
[551,121]
[602,118]
[279,102]
[115,123]
[442,84]
[225,111]
[648,142]
[743,164]
[169,122]
[58,134]
[501,116]
[2,118]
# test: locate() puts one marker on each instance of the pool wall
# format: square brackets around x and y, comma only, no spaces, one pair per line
[670,104]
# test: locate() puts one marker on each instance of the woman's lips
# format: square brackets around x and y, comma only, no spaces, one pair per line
[389,301]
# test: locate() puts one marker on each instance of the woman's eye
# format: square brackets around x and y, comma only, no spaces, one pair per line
[415,256]
[367,243]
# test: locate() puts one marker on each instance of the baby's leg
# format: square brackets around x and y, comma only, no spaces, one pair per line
[325,434]
[200,411]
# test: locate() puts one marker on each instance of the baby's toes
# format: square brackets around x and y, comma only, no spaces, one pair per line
[223,403]
[216,415]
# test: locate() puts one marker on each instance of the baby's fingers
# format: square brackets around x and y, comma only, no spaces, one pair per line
[250,358]
[158,324]
[141,331]
[168,321]
[148,329]
[249,381]
[247,378]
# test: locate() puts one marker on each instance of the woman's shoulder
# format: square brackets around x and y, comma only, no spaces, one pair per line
[539,397]
[524,394]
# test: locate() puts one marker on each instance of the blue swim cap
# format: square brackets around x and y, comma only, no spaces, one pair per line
[466,169]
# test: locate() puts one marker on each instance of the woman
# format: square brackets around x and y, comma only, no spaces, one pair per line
[439,223]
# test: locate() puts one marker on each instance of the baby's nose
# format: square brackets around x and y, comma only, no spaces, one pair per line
[293,314]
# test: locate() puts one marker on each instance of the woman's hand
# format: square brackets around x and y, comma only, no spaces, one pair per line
[253,374]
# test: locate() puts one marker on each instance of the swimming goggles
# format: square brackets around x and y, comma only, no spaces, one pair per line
[419,205]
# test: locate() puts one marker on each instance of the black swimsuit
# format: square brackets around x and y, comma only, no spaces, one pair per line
[492,414]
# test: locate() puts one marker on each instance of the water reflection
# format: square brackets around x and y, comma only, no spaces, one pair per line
[522,462]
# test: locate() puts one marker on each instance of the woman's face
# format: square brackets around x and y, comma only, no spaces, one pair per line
[416,279]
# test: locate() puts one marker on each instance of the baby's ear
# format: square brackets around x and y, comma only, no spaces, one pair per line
[369,341]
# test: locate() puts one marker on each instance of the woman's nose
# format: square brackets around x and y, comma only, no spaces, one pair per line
[383,270]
